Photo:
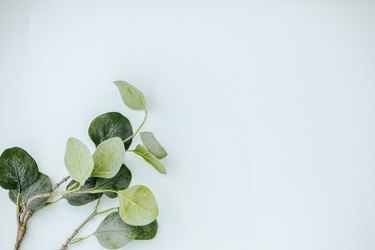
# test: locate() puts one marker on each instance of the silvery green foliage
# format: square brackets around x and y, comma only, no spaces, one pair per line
[78,160]
[114,233]
[131,96]
[108,158]
[138,206]
[152,145]
[150,158]
[92,175]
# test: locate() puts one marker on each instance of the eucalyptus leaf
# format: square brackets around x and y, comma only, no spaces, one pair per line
[120,181]
[147,232]
[82,199]
[18,169]
[131,96]
[152,145]
[41,186]
[78,160]
[108,158]
[110,125]
[138,206]
[150,158]
[113,233]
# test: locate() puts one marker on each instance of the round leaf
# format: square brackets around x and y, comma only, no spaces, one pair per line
[120,181]
[150,158]
[108,158]
[110,125]
[82,199]
[41,186]
[78,160]
[113,233]
[131,96]
[152,145]
[18,169]
[138,206]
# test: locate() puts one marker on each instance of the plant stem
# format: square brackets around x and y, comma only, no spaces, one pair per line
[139,128]
[71,240]
[89,191]
[80,239]
[24,214]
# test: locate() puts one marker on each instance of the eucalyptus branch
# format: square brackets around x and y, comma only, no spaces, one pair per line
[87,220]
[94,175]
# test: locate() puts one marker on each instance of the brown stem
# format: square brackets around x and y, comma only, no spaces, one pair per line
[75,232]
[25,215]
[57,185]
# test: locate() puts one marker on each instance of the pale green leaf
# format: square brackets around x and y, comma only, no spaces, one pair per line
[131,96]
[152,145]
[113,233]
[78,160]
[108,158]
[138,206]
[150,158]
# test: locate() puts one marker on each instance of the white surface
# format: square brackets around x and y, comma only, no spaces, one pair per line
[266,108]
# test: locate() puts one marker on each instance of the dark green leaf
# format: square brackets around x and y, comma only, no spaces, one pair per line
[82,199]
[113,233]
[147,232]
[17,169]
[41,186]
[119,182]
[110,125]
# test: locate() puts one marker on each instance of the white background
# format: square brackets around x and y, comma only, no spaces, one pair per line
[266,108]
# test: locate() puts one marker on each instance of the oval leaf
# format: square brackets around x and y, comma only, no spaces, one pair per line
[131,96]
[113,233]
[120,181]
[152,145]
[150,158]
[41,186]
[108,158]
[110,125]
[138,206]
[18,169]
[78,160]
[82,199]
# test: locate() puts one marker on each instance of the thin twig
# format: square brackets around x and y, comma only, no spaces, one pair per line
[24,214]
[56,186]
[75,232]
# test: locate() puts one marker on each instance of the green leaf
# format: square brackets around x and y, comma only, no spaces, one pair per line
[113,233]
[110,125]
[78,160]
[120,181]
[108,158]
[17,169]
[138,206]
[82,199]
[147,232]
[131,96]
[150,158]
[41,186]
[152,145]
